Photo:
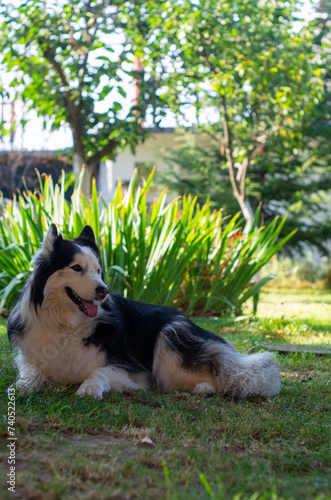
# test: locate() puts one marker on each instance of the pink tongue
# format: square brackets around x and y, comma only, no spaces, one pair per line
[92,309]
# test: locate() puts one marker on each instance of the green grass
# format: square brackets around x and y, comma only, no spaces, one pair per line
[202,447]
[310,307]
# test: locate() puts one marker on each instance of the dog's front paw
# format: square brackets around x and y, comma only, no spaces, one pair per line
[90,389]
[24,386]
[125,387]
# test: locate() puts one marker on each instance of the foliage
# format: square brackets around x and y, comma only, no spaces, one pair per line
[240,62]
[66,61]
[197,167]
[281,180]
[175,254]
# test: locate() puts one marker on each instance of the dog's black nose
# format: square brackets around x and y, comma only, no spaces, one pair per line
[102,292]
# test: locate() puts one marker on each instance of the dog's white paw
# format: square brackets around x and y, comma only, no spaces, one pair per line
[124,387]
[90,389]
[204,388]
[24,386]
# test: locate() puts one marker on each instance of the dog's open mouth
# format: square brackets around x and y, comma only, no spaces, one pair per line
[87,307]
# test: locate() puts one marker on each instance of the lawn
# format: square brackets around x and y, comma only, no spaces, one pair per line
[147,445]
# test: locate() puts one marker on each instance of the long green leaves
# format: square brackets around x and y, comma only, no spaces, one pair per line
[176,254]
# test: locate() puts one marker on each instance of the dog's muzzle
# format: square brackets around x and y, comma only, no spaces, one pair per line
[88,307]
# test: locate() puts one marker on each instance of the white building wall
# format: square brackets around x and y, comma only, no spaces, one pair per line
[158,144]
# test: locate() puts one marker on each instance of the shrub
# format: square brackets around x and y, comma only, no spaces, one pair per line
[177,254]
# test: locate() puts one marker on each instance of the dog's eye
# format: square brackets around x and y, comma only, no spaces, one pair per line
[77,268]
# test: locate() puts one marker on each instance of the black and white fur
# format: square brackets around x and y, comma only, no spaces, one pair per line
[70,330]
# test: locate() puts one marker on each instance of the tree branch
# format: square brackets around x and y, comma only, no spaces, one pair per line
[105,151]
[228,148]
[74,111]
[84,65]
[50,56]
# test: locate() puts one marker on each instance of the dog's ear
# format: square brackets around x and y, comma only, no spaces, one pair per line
[87,234]
[50,238]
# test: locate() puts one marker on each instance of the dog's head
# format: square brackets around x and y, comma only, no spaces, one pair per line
[69,273]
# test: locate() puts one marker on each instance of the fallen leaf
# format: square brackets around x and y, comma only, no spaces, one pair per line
[147,440]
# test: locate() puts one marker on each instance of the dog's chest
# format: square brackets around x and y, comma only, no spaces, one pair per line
[61,356]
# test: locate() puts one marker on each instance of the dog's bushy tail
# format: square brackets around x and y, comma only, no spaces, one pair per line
[247,375]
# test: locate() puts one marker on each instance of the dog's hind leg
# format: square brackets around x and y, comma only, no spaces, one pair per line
[105,379]
[189,358]
[170,373]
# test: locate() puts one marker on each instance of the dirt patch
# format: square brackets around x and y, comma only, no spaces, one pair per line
[67,462]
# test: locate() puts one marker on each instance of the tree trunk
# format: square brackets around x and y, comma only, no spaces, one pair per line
[89,170]
[89,173]
[237,179]
[78,161]
[246,208]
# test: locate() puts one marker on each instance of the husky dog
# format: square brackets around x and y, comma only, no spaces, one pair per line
[70,330]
